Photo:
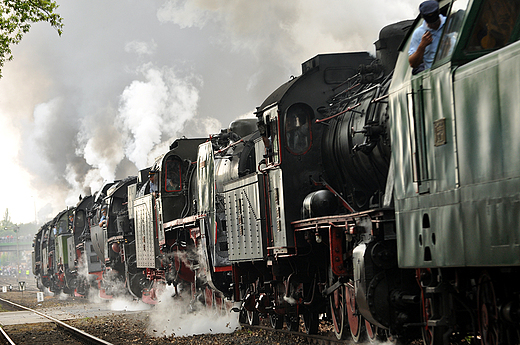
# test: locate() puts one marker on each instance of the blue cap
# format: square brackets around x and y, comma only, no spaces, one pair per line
[428,7]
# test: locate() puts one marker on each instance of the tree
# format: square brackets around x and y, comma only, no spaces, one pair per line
[16,17]
[6,222]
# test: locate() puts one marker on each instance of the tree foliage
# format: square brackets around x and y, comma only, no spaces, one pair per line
[6,221]
[16,18]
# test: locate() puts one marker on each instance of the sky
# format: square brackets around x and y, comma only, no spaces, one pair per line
[127,77]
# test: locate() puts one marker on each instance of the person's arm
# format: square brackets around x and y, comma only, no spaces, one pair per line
[417,57]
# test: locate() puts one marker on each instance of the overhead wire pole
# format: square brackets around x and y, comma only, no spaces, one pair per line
[17,256]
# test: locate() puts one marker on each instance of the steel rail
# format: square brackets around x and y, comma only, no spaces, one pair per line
[6,337]
[78,333]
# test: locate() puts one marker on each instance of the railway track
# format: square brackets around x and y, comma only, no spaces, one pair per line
[311,339]
[74,332]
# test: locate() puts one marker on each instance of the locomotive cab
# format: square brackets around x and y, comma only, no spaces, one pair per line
[47,252]
[88,261]
[88,264]
[227,198]
[152,214]
[119,255]
[37,258]
[98,233]
[288,124]
[449,125]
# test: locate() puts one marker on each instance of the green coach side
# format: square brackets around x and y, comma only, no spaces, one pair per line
[455,144]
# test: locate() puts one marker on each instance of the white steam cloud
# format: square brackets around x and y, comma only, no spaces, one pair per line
[156,107]
[175,316]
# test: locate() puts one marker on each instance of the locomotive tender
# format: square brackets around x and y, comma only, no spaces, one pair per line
[386,202]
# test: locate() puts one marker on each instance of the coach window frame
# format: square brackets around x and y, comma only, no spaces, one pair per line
[462,54]
[454,23]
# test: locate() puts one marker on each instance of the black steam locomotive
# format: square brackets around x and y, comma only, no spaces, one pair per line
[382,201]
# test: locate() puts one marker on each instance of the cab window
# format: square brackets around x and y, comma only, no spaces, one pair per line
[494,25]
[274,147]
[298,136]
[452,29]
[80,220]
[173,175]
[62,226]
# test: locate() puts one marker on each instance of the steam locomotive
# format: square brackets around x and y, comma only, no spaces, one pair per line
[385,202]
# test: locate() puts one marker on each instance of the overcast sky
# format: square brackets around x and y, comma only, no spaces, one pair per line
[127,77]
